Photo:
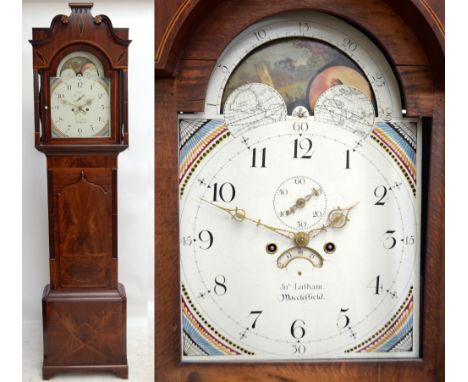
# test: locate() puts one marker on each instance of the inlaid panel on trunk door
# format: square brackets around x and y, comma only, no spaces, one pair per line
[84,230]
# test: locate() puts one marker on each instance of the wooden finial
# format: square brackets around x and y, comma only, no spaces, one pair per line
[80,7]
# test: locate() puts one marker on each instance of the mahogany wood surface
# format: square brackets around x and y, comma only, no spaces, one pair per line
[84,331]
[190,36]
[82,213]
[84,306]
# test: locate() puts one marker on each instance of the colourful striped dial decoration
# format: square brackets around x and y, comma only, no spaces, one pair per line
[199,337]
[196,139]
[395,336]
[398,139]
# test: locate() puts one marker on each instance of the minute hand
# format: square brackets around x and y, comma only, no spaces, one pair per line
[240,215]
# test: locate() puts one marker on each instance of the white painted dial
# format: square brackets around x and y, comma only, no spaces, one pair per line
[80,107]
[271,283]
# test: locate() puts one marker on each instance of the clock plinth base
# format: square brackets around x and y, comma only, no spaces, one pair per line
[49,372]
[84,331]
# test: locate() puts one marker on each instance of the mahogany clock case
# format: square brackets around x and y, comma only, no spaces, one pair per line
[190,37]
[70,172]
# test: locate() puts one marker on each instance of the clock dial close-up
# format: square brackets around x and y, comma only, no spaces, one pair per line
[299,203]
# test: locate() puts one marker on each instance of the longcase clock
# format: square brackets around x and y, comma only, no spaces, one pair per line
[300,192]
[80,99]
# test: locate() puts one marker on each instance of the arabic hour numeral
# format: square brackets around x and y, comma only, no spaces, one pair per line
[206,237]
[226,192]
[262,156]
[380,192]
[220,287]
[79,84]
[389,241]
[305,146]
[347,160]
[297,329]
[343,319]
[69,87]
[256,313]
[375,285]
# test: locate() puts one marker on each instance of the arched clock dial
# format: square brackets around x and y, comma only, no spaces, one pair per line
[80,98]
[299,201]
[321,27]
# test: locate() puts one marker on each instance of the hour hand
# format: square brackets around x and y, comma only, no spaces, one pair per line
[240,215]
[88,102]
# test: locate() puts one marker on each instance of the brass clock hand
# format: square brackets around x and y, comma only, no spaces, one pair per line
[240,215]
[76,108]
[301,202]
[80,107]
[289,255]
[88,102]
[64,101]
[80,97]
[337,218]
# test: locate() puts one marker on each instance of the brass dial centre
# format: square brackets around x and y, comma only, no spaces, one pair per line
[301,239]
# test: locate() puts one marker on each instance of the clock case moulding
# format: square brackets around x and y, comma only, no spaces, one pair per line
[84,306]
[189,39]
